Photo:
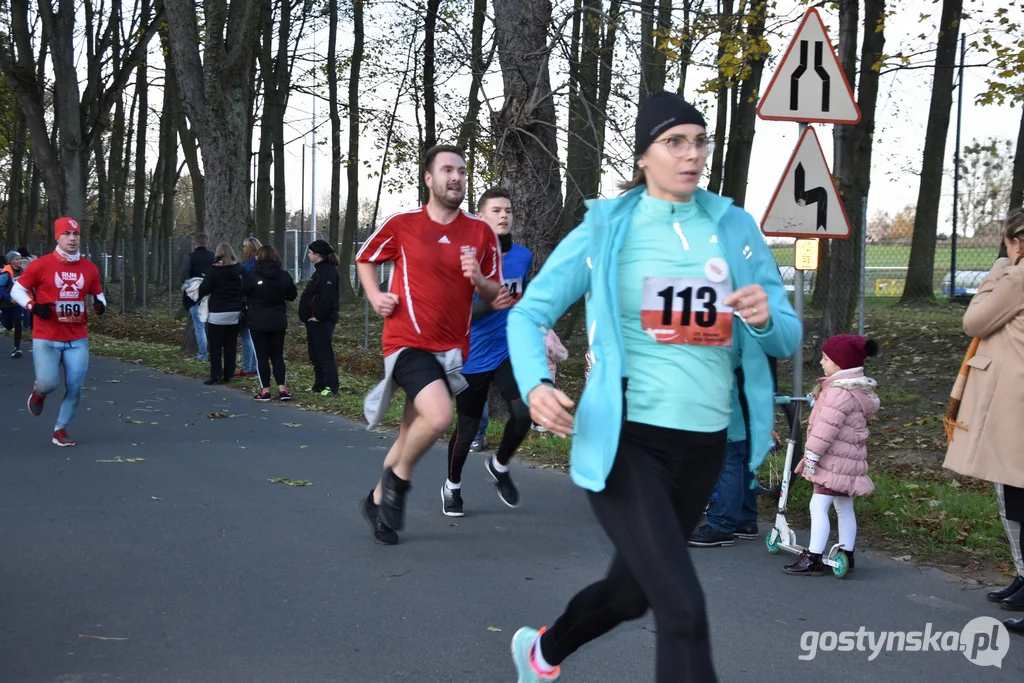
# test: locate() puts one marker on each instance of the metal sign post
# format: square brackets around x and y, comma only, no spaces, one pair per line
[809,86]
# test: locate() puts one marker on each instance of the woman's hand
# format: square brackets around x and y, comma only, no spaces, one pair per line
[751,303]
[549,408]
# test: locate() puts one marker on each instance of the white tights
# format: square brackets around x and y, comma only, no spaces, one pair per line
[821,528]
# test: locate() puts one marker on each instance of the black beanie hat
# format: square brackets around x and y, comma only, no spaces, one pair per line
[660,112]
[321,247]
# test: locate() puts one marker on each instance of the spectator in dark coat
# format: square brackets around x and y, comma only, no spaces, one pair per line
[196,265]
[223,284]
[267,289]
[318,309]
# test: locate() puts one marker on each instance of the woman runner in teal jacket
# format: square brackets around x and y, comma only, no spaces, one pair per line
[682,295]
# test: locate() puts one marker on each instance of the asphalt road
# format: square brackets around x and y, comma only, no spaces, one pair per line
[188,566]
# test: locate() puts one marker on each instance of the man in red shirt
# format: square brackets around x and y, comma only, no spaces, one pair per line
[440,257]
[53,288]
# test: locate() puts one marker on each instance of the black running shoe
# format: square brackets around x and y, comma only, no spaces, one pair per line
[507,491]
[451,501]
[392,502]
[381,532]
[709,537]
[747,533]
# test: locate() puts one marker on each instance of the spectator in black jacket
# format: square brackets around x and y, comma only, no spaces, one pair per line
[318,308]
[223,284]
[267,289]
[196,264]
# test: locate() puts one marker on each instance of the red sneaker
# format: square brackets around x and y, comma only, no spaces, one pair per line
[61,438]
[35,403]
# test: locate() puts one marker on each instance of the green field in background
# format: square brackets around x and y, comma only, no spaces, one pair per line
[897,256]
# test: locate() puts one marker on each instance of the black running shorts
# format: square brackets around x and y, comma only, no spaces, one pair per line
[415,369]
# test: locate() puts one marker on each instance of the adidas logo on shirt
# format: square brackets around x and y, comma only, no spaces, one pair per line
[444,240]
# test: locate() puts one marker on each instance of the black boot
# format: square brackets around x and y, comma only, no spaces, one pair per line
[809,564]
[1002,594]
[1014,626]
[1015,602]
[849,556]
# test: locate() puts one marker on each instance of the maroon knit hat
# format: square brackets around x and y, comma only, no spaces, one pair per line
[849,350]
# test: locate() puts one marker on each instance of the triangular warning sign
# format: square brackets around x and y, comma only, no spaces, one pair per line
[806,202]
[809,85]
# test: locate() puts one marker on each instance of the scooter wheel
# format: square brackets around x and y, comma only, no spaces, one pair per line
[842,567]
[771,541]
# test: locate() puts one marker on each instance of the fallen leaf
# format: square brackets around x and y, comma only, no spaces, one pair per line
[134,422]
[494,629]
[155,498]
[123,460]
[289,481]
[303,446]
[85,635]
[113,381]
[291,424]
[217,416]
[154,423]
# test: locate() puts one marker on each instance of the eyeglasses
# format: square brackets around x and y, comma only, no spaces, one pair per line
[678,146]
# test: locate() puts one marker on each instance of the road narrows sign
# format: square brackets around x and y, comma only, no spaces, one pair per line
[806,202]
[809,85]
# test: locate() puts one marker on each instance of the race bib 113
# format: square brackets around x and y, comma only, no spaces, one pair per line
[681,310]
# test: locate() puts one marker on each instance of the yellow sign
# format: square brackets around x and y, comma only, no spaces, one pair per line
[806,255]
[889,286]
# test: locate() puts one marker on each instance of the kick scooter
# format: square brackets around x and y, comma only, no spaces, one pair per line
[782,537]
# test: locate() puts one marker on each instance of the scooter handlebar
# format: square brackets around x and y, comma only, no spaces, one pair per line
[786,400]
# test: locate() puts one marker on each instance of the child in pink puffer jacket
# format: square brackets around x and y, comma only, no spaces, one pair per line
[836,452]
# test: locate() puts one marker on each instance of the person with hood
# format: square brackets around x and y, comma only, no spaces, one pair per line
[318,309]
[223,284]
[11,314]
[982,420]
[267,289]
[680,290]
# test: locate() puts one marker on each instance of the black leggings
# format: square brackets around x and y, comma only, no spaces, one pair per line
[469,404]
[652,500]
[222,341]
[321,355]
[269,348]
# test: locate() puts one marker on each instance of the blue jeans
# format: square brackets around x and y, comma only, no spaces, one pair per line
[200,328]
[248,351]
[47,357]
[483,422]
[736,505]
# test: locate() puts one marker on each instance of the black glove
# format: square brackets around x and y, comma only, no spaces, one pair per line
[99,307]
[42,311]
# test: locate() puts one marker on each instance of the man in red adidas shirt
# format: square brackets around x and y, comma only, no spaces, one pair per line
[440,256]
[53,288]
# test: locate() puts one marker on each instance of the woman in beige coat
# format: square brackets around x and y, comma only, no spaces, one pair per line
[985,429]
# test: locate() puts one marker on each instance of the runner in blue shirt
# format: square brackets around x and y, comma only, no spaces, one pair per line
[489,363]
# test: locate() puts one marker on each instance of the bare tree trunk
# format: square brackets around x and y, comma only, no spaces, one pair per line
[429,74]
[334,219]
[646,51]
[583,157]
[283,77]
[839,289]
[217,91]
[169,180]
[744,115]
[1017,188]
[685,45]
[471,124]
[605,65]
[524,129]
[723,99]
[135,282]
[352,162]
[264,157]
[17,187]
[920,285]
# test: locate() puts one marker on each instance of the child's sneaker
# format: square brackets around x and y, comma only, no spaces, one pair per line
[522,656]
[16,353]
[285,395]
[327,393]
[262,396]
[61,438]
